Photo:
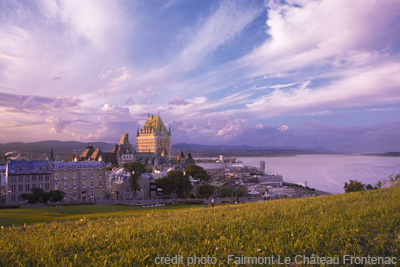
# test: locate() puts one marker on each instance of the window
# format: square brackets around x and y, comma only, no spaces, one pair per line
[91,174]
[33,186]
[100,193]
[74,194]
[55,167]
[20,187]
[91,184]
[36,169]
[100,183]
[47,177]
[27,178]
[65,185]
[92,193]
[100,174]
[33,178]
[65,195]
[47,186]
[56,176]
[23,169]
[74,184]
[40,177]
[65,175]
[21,179]
[55,186]
[16,170]
[70,194]
[43,169]
[13,198]
[83,175]
[74,175]
[13,187]
[40,185]
[13,179]
[83,184]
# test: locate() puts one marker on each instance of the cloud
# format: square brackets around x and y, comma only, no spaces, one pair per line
[305,32]
[33,102]
[114,109]
[57,125]
[179,102]
[228,21]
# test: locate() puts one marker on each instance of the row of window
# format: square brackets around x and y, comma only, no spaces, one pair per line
[24,169]
[96,165]
[75,194]
[28,178]
[74,175]
[74,185]
[28,187]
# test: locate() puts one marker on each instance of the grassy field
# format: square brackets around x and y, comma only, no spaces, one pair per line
[357,224]
[9,217]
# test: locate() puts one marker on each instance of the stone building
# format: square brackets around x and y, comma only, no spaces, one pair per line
[80,181]
[118,186]
[22,176]
[124,151]
[154,138]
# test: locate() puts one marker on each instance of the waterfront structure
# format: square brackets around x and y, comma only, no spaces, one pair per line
[22,176]
[80,181]
[262,167]
[154,138]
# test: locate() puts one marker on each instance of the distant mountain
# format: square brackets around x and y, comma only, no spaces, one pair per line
[64,149]
[184,146]
[58,146]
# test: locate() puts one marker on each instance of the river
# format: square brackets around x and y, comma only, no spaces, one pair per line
[328,172]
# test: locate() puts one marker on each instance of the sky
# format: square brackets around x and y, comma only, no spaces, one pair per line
[302,73]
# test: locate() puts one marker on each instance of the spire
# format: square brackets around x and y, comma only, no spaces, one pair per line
[169,129]
[51,154]
[137,133]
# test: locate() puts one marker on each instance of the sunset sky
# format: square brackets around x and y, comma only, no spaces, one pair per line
[262,73]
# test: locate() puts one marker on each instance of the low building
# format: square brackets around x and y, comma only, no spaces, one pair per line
[275,180]
[80,181]
[22,176]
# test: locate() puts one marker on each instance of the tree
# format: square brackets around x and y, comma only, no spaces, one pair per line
[135,169]
[226,191]
[38,195]
[353,186]
[175,182]
[56,196]
[241,191]
[197,172]
[205,190]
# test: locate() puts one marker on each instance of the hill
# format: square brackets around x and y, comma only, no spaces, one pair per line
[64,149]
[331,229]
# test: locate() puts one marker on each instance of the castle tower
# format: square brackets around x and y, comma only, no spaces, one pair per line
[154,137]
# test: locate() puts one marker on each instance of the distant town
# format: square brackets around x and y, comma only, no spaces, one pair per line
[146,174]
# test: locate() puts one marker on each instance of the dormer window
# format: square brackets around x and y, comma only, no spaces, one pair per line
[23,169]
[36,169]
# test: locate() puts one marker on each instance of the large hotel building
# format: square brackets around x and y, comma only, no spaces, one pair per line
[154,138]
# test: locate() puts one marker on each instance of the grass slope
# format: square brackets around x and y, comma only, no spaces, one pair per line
[358,224]
[15,217]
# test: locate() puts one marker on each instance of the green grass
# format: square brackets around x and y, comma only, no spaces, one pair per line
[357,224]
[17,217]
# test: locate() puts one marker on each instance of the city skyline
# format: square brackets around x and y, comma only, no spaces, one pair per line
[260,73]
